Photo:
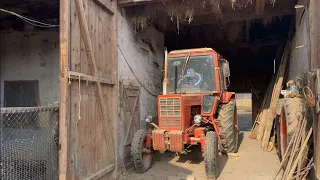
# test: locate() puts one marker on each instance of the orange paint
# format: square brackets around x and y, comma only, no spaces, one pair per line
[184,119]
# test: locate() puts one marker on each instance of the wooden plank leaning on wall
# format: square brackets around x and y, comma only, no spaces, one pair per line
[64,59]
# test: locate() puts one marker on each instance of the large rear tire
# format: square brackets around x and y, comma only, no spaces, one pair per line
[211,155]
[141,154]
[228,122]
[292,112]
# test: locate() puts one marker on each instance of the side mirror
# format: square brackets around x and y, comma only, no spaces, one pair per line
[226,69]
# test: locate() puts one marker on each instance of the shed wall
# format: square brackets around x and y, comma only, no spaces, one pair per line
[141,59]
[31,55]
[300,52]
[146,63]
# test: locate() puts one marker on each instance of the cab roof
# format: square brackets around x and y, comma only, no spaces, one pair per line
[191,50]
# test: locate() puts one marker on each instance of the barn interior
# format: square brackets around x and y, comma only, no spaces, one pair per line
[29,93]
[29,53]
[250,34]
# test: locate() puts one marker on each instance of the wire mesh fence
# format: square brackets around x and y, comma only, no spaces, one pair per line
[29,143]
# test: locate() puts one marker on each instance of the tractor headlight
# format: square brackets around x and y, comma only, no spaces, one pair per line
[148,118]
[197,118]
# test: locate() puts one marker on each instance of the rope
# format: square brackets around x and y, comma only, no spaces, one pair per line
[148,91]
[79,116]
[30,21]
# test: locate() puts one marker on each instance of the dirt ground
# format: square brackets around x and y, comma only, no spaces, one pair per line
[252,163]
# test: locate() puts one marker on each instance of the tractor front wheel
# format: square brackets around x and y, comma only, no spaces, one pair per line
[211,155]
[141,151]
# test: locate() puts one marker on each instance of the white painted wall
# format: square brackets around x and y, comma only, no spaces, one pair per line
[32,55]
[141,61]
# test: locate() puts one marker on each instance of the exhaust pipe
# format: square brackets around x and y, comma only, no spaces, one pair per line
[165,79]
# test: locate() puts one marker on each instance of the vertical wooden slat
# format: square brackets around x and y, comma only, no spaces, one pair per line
[91,56]
[314,38]
[64,59]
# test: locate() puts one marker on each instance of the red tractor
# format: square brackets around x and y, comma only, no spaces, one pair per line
[194,109]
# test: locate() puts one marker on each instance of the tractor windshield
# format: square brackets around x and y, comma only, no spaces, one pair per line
[191,74]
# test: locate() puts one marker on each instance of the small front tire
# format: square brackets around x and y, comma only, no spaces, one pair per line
[211,155]
[141,153]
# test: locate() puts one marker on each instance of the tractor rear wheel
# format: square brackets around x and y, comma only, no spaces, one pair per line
[228,122]
[141,151]
[211,155]
[292,111]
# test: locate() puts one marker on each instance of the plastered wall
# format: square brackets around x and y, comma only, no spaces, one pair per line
[145,62]
[140,59]
[32,55]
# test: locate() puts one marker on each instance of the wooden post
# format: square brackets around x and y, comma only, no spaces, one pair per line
[314,40]
[64,59]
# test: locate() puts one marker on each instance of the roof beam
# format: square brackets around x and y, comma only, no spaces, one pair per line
[212,19]
[260,4]
[126,3]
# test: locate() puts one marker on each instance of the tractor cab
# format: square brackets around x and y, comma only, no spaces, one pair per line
[196,71]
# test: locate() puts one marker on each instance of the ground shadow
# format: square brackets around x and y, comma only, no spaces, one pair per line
[241,136]
[160,163]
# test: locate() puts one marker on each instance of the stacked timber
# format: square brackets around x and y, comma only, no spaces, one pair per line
[264,122]
[297,158]
[296,161]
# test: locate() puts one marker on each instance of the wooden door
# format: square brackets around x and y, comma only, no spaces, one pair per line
[88,104]
[130,117]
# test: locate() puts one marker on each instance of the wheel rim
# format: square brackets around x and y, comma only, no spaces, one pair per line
[283,133]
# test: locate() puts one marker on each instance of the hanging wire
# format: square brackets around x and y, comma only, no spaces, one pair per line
[148,91]
[30,21]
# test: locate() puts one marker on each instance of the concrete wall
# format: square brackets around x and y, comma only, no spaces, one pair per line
[142,60]
[32,55]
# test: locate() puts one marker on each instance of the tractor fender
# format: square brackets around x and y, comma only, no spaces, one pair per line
[227,96]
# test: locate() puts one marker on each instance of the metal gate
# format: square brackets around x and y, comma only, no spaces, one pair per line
[88,94]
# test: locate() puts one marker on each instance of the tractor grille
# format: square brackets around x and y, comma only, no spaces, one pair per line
[170,107]
[170,112]
[170,122]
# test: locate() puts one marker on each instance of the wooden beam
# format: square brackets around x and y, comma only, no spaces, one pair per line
[253,44]
[85,77]
[274,98]
[257,8]
[260,4]
[107,6]
[99,174]
[205,19]
[107,131]
[126,3]
[64,59]
[314,7]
